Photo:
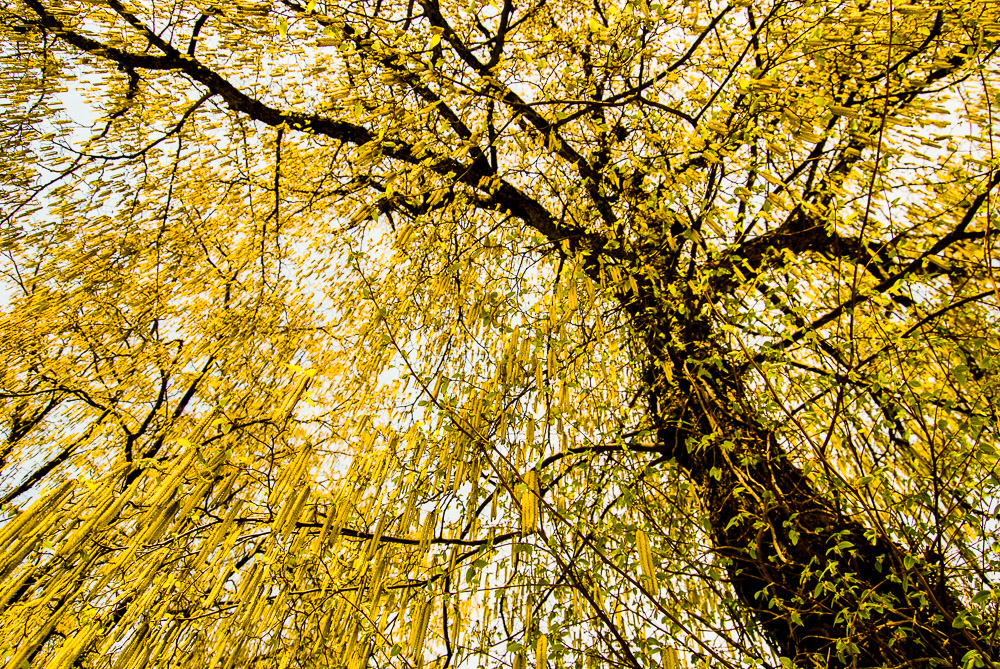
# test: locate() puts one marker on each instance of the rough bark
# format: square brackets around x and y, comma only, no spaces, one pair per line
[826,590]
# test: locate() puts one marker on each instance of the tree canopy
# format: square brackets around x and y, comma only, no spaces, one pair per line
[421,334]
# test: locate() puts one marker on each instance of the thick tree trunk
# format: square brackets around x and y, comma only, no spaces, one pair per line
[826,590]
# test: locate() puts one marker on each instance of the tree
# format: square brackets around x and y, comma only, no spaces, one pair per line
[419,333]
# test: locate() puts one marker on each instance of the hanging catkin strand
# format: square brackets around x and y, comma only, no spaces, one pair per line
[284,412]
[290,512]
[418,629]
[670,658]
[646,562]
[427,534]
[542,652]
[25,522]
[529,503]
[202,426]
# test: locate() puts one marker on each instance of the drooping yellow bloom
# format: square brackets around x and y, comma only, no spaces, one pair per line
[646,562]
[542,652]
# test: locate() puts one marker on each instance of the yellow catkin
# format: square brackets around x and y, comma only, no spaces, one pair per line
[402,604]
[670,659]
[343,511]
[360,658]
[428,531]
[375,588]
[373,543]
[457,629]
[351,635]
[140,659]
[199,430]
[216,589]
[217,535]
[13,588]
[23,525]
[231,478]
[256,602]
[418,629]
[140,606]
[13,561]
[157,525]
[542,652]
[130,651]
[529,503]
[291,511]
[289,478]
[248,586]
[459,477]
[471,517]
[646,562]
[177,471]
[415,443]
[26,650]
[165,640]
[193,499]
[73,647]
[111,513]
[286,658]
[320,539]
[221,645]
[388,605]
[284,412]
[102,502]
[324,630]
[411,500]
[125,559]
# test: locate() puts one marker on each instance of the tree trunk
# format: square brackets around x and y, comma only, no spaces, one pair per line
[826,590]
